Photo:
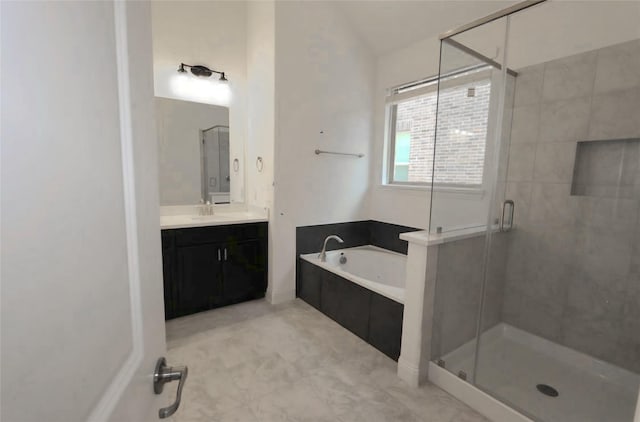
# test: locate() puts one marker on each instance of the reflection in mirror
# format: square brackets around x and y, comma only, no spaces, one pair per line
[215,164]
[194,152]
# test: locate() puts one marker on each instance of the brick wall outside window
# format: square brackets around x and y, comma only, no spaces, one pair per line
[462,131]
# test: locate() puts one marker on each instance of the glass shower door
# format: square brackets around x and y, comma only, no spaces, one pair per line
[538,279]
[559,335]
[467,187]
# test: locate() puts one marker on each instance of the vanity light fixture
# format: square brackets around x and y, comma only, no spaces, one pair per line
[200,70]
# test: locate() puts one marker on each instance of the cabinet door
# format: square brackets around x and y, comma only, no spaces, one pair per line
[168,268]
[199,278]
[169,285]
[244,270]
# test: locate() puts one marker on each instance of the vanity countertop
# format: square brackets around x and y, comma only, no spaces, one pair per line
[218,219]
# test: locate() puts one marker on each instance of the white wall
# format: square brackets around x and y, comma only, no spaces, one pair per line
[214,34]
[179,124]
[562,28]
[261,128]
[261,101]
[324,82]
[405,205]
[557,29]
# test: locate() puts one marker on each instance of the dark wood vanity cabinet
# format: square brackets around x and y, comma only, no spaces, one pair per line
[209,267]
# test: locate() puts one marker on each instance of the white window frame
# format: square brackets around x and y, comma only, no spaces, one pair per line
[418,88]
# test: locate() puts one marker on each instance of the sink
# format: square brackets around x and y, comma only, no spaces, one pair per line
[215,217]
[221,217]
[178,221]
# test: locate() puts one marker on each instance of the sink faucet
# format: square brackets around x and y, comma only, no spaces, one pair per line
[205,208]
[323,254]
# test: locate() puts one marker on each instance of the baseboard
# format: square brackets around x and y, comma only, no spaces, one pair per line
[277,298]
[409,373]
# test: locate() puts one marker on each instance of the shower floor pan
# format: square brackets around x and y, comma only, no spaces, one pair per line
[516,366]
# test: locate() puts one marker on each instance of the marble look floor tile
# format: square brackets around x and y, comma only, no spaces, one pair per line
[208,392]
[468,415]
[198,356]
[199,405]
[431,403]
[236,415]
[242,348]
[257,362]
[344,388]
[261,376]
[297,402]
[385,410]
[307,354]
[243,414]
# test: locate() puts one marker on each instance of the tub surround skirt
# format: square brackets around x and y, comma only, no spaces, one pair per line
[372,317]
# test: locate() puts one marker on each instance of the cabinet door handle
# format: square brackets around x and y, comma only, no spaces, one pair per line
[225,254]
[219,259]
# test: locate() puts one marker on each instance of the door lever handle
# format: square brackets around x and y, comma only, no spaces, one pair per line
[164,374]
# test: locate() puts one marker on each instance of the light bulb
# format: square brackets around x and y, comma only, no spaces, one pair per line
[200,90]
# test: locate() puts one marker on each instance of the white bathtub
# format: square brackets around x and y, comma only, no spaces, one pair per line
[374,268]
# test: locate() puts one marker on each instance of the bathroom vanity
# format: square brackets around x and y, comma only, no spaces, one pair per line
[209,266]
[215,253]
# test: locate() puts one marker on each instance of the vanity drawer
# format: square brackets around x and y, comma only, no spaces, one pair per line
[226,233]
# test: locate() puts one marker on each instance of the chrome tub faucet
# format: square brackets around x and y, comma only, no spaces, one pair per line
[323,254]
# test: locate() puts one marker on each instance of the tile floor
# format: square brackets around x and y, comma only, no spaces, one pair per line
[263,363]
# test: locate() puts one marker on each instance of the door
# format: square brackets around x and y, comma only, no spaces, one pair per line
[244,271]
[81,295]
[199,278]
[469,123]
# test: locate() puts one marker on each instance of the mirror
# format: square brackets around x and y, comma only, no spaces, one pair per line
[195,153]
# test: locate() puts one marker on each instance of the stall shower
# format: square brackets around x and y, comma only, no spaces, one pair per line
[542,310]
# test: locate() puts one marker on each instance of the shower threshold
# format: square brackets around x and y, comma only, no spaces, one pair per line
[525,371]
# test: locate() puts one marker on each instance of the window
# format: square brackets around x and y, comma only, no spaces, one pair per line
[463,114]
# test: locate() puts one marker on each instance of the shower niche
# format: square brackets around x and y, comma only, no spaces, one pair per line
[607,169]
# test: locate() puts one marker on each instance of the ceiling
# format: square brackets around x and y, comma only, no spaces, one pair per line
[385,25]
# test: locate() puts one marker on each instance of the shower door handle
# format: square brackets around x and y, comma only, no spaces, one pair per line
[512,207]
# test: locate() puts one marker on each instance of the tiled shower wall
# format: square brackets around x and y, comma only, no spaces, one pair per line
[573,264]
[459,289]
